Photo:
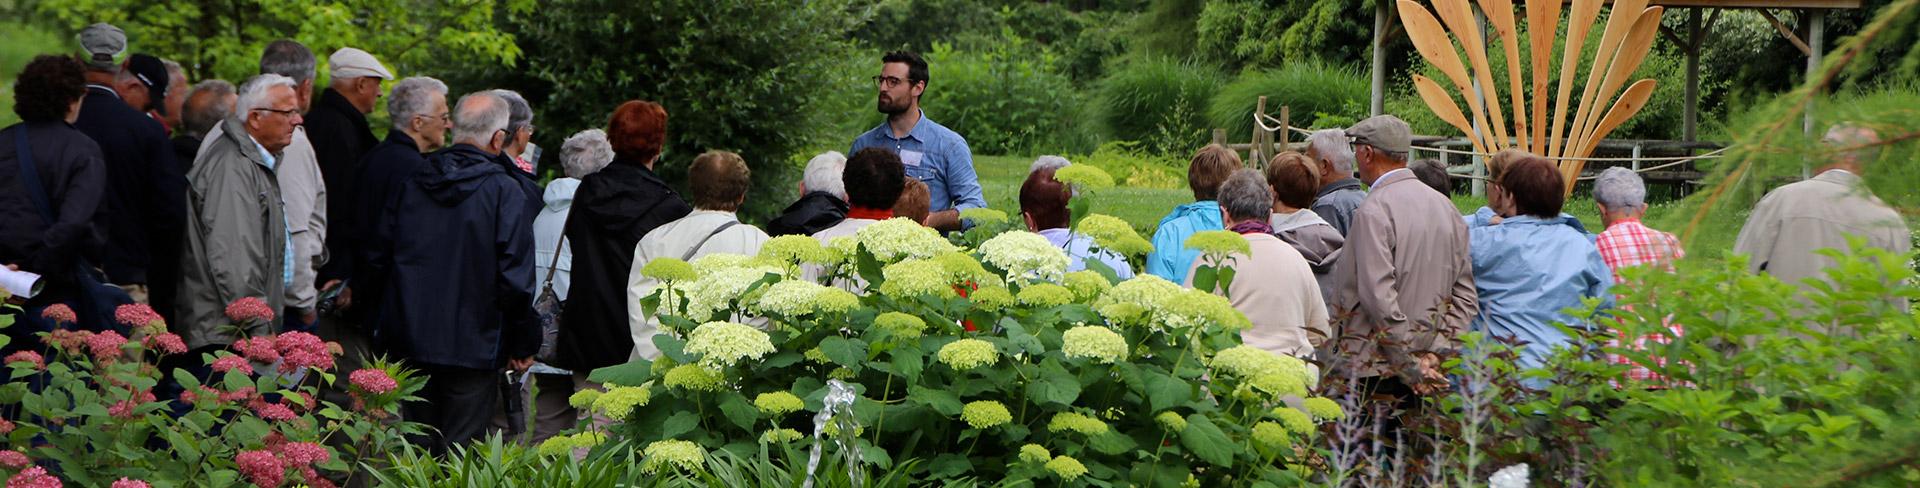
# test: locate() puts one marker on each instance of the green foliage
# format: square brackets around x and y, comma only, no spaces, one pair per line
[1160,102]
[1005,100]
[23,43]
[744,76]
[1259,34]
[496,463]
[1134,167]
[1306,89]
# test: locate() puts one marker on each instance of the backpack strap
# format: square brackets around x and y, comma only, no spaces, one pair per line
[30,176]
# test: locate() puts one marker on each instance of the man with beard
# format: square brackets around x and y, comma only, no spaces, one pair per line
[931,152]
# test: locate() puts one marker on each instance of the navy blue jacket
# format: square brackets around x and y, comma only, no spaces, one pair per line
[381,174]
[341,140]
[459,262]
[145,206]
[73,178]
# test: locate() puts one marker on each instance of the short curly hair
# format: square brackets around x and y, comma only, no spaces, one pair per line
[47,87]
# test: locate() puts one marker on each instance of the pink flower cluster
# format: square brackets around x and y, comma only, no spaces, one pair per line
[137,315]
[70,341]
[123,409]
[267,467]
[230,363]
[302,350]
[34,477]
[59,313]
[261,468]
[250,310]
[39,363]
[373,380]
[166,343]
[6,426]
[130,483]
[258,349]
[105,346]
[14,459]
[274,411]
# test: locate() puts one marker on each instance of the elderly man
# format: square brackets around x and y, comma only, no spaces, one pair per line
[418,108]
[205,106]
[1273,285]
[459,251]
[303,190]
[1340,192]
[143,210]
[1410,280]
[1621,196]
[167,111]
[823,198]
[338,128]
[1043,205]
[236,245]
[1792,223]
[929,151]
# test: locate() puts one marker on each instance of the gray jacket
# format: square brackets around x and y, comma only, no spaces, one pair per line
[235,238]
[1336,203]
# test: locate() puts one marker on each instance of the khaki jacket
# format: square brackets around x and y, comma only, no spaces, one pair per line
[1406,279]
[235,238]
[1794,221]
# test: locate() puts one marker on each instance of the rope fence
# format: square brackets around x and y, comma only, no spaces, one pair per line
[1668,162]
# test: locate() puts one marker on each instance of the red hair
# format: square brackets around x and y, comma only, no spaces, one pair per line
[637,130]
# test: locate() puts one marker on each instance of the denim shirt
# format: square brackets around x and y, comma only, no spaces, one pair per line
[1171,258]
[935,155]
[286,232]
[1527,270]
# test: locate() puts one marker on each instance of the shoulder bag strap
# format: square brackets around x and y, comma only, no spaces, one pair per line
[703,240]
[30,176]
[551,266]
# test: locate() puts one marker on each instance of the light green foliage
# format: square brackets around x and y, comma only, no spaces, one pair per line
[1160,102]
[1258,34]
[1307,89]
[1006,98]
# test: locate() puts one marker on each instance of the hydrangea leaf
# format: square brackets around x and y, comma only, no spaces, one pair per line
[681,422]
[633,373]
[738,410]
[940,400]
[908,362]
[672,347]
[1165,391]
[845,352]
[949,465]
[1054,385]
[1018,336]
[1112,442]
[1207,442]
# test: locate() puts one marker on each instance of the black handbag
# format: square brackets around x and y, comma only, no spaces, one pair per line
[548,307]
[97,299]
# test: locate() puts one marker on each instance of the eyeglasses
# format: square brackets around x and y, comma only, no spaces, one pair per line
[890,81]
[444,118]
[288,112]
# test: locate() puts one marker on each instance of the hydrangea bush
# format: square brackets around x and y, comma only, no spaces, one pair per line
[100,409]
[989,362]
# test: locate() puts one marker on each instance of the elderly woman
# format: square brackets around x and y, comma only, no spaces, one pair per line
[1208,169]
[519,129]
[1534,264]
[612,210]
[1273,286]
[823,198]
[718,180]
[1294,179]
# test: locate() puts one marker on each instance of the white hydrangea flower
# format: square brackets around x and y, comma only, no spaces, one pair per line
[788,298]
[721,344]
[712,292]
[1025,256]
[900,238]
[1514,476]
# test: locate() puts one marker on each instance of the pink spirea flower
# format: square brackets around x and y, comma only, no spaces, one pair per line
[302,350]
[261,468]
[14,459]
[6,426]
[259,349]
[166,343]
[39,363]
[314,480]
[246,393]
[250,310]
[34,477]
[372,380]
[121,410]
[105,346]
[229,363]
[277,411]
[71,341]
[303,453]
[130,483]
[59,313]
[136,315]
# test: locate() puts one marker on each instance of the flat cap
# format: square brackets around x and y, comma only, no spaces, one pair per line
[354,63]
[103,43]
[1384,132]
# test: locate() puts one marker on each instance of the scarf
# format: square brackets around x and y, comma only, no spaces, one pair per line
[859,212]
[1253,226]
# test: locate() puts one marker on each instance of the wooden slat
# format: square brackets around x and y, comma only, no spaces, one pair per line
[1826,4]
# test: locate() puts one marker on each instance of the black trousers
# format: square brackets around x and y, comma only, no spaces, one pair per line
[457,404]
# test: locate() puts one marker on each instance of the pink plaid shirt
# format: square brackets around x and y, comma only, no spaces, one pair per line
[1629,243]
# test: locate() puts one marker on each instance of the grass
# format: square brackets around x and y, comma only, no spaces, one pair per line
[23,43]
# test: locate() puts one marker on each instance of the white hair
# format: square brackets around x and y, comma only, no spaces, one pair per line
[1245,195]
[253,94]
[477,117]
[1333,146]
[410,97]
[1619,188]
[585,152]
[519,113]
[823,174]
[1048,162]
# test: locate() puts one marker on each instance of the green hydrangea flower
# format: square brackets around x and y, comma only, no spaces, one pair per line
[985,413]
[1025,256]
[962,268]
[1172,421]
[1115,235]
[669,270]
[1132,245]
[1219,243]
[1067,467]
[1083,177]
[835,300]
[1271,435]
[992,298]
[620,401]
[902,325]
[816,355]
[693,377]
[1294,420]
[778,403]
[674,453]
[1045,295]
[1323,408]
[1144,292]
[1087,285]
[716,261]
[721,344]
[794,249]
[1195,308]
[967,354]
[1279,385]
[915,277]
[983,216]
[841,373]
[791,298]
[1251,363]
[780,436]
[900,238]
[1035,453]
[1074,422]
[719,287]
[1093,341]
[583,398]
[841,250]
[562,445]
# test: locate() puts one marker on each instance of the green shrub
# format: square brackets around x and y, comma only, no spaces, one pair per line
[1160,102]
[1134,167]
[1306,89]
[1004,99]
[1261,34]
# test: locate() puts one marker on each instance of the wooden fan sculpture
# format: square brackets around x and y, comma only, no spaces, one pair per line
[1629,34]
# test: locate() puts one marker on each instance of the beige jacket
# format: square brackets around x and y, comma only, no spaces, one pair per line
[1793,221]
[677,239]
[1275,289]
[1406,279]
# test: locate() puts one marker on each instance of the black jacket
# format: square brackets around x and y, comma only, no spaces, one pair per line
[74,179]
[814,211]
[341,138]
[185,148]
[460,261]
[612,210]
[383,172]
[146,190]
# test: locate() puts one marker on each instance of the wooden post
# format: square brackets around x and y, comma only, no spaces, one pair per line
[1257,154]
[1696,35]
[1377,95]
[1220,136]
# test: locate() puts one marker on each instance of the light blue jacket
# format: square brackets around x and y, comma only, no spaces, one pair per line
[1171,258]
[1527,270]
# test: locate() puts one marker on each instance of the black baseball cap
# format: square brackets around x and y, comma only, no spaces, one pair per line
[153,73]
